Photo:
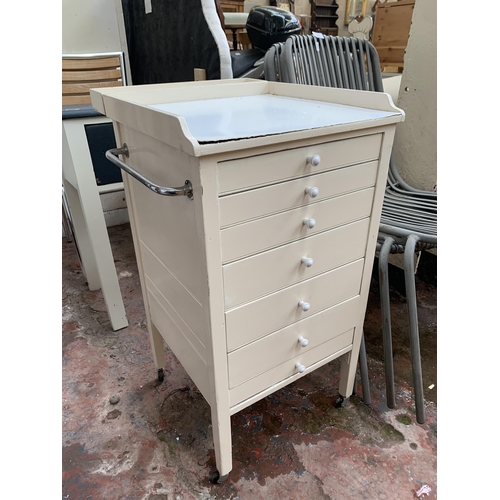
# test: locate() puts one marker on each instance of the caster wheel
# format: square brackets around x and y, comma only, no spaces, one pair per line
[216,478]
[340,402]
[161,375]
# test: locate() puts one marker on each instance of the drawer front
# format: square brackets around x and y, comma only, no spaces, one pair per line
[262,234]
[273,350]
[244,173]
[268,200]
[287,370]
[267,272]
[257,319]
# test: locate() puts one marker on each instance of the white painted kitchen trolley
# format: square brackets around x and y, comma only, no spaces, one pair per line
[254,209]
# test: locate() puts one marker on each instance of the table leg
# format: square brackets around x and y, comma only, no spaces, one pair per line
[90,226]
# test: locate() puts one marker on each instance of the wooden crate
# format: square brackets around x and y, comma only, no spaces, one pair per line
[391,30]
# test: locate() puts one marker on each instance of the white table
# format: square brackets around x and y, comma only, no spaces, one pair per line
[87,215]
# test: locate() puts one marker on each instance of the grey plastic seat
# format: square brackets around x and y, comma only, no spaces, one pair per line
[409,216]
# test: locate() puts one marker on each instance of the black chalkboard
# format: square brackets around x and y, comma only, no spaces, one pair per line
[100,138]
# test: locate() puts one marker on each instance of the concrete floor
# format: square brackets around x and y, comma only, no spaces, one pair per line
[155,443]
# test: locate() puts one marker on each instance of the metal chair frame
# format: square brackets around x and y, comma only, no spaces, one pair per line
[409,216]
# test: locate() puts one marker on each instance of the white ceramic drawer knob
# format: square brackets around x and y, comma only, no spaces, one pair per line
[314,160]
[312,191]
[303,341]
[307,261]
[310,223]
[300,368]
[304,305]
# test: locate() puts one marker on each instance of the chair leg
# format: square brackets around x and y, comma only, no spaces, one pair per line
[411,299]
[383,269]
[68,233]
[363,370]
[66,228]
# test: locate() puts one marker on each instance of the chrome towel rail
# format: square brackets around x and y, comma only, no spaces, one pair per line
[112,156]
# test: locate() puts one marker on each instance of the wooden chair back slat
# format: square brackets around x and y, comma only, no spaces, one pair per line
[75,99]
[80,74]
[91,76]
[90,64]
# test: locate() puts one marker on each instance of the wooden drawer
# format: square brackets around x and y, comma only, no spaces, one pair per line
[264,273]
[287,369]
[268,314]
[245,173]
[273,350]
[268,200]
[262,234]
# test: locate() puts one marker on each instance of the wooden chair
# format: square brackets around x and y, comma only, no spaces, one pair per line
[86,173]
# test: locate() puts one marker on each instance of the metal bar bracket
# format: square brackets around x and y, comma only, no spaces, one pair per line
[112,156]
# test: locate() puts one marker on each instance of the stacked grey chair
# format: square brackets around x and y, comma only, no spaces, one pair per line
[409,216]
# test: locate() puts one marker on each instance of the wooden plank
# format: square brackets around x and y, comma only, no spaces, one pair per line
[88,76]
[391,30]
[91,63]
[391,55]
[232,5]
[84,88]
[82,99]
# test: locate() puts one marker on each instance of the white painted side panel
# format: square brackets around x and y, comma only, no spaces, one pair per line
[168,225]
[179,298]
[178,337]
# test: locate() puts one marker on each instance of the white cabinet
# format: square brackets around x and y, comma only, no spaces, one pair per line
[263,275]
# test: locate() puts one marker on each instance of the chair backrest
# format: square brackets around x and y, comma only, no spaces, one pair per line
[330,61]
[168,42]
[81,72]
[272,63]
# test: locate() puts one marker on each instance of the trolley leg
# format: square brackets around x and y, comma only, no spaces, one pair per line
[221,427]
[158,348]
[348,365]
